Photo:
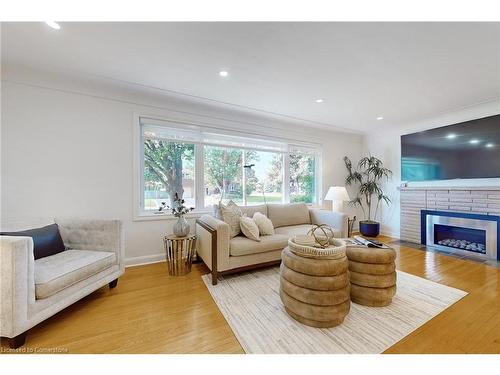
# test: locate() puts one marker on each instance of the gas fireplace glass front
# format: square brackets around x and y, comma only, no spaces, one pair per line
[460,238]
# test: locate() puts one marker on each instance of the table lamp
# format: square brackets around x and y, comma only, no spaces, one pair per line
[338,195]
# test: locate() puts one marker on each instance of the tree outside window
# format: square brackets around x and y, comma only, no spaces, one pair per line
[168,169]
[223,174]
[302,178]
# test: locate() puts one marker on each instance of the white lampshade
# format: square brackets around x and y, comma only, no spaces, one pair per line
[337,194]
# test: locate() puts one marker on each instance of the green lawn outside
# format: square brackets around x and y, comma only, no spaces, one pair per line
[150,204]
[260,199]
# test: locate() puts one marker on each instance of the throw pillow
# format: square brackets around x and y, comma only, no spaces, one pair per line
[265,225]
[46,240]
[231,214]
[249,228]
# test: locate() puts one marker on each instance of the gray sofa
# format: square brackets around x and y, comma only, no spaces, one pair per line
[34,290]
[223,254]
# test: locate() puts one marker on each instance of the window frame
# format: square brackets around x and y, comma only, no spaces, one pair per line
[140,214]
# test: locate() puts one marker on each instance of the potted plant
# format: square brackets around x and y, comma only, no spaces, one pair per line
[368,175]
[181,227]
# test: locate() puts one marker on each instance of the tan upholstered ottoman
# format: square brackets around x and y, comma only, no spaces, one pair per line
[372,275]
[315,288]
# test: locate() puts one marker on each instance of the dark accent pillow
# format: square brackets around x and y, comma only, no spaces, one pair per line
[46,240]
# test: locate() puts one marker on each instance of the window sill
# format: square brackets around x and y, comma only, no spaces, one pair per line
[149,216]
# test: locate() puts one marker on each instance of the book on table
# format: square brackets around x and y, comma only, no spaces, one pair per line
[365,242]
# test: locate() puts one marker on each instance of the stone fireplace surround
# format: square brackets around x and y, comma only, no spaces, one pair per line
[473,200]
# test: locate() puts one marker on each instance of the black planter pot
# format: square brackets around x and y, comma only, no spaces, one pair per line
[369,228]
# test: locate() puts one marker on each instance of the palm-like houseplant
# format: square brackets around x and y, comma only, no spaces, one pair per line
[368,175]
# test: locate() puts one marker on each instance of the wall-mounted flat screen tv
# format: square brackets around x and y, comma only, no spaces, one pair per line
[469,149]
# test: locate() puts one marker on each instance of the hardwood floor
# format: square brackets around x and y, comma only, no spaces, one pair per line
[150,312]
[472,325]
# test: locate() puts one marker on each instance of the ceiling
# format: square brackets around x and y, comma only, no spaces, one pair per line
[404,72]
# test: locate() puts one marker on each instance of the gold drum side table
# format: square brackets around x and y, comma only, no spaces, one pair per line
[180,252]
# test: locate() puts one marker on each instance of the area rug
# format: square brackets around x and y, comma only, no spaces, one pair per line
[251,304]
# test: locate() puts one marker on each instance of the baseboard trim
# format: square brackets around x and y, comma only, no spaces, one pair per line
[390,234]
[146,259]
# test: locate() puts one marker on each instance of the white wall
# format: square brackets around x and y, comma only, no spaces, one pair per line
[67,148]
[385,144]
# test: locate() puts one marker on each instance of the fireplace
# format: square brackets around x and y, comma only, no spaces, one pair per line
[460,238]
[461,232]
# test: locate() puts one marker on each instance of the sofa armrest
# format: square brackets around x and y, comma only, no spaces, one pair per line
[336,220]
[212,232]
[17,281]
[98,235]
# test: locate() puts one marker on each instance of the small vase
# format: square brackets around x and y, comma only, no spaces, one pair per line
[181,227]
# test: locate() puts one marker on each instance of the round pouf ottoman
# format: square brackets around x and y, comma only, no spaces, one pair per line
[372,275]
[314,284]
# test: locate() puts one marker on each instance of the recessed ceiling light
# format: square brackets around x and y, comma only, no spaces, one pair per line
[474,141]
[379,118]
[319,100]
[53,24]
[451,136]
[490,145]
[223,73]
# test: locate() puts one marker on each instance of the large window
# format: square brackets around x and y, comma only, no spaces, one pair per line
[205,167]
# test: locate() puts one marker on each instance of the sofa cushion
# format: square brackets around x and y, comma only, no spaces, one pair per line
[239,246]
[246,210]
[46,240]
[251,210]
[288,214]
[59,271]
[293,230]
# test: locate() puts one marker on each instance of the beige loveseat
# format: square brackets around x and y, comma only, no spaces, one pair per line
[34,290]
[223,254]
